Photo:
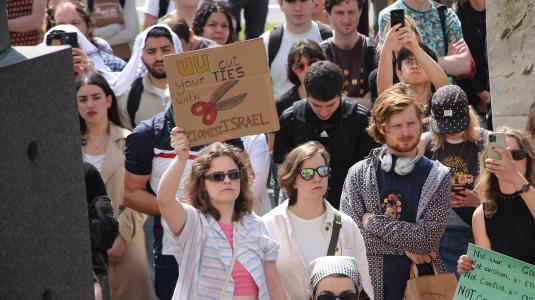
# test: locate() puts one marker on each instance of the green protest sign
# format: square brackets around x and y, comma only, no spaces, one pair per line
[496,276]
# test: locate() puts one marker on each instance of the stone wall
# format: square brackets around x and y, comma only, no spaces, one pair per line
[511,55]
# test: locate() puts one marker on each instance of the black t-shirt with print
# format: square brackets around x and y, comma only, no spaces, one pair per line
[350,61]
[462,159]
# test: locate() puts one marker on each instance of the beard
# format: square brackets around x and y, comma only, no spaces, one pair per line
[403,148]
[156,74]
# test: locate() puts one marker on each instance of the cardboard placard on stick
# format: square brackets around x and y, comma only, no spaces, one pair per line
[222,93]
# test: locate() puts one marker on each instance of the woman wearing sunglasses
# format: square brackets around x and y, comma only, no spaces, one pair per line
[505,222]
[305,224]
[222,247]
[301,56]
[335,278]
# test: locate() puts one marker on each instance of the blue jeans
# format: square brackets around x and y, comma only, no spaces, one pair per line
[166,276]
[453,244]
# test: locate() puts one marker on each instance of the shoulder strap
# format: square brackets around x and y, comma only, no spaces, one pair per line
[325,30]
[299,108]
[369,57]
[441,8]
[337,225]
[274,42]
[328,49]
[162,10]
[134,97]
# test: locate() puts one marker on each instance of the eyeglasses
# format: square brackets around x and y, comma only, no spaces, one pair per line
[308,173]
[342,296]
[518,154]
[220,176]
[410,61]
[300,67]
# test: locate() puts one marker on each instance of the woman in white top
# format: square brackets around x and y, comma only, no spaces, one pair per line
[103,144]
[222,247]
[303,224]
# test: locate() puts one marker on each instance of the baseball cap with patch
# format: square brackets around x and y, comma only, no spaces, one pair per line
[449,110]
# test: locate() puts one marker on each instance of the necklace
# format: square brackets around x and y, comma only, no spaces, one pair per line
[95,146]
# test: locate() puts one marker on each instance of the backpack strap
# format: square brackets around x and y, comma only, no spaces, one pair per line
[327,48]
[369,57]
[441,8]
[134,97]
[162,10]
[337,225]
[274,42]
[275,38]
[298,110]
[325,30]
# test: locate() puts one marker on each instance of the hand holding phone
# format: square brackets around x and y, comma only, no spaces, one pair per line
[397,16]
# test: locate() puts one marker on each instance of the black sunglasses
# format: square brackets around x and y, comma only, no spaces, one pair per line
[518,154]
[220,176]
[308,173]
[342,296]
[299,66]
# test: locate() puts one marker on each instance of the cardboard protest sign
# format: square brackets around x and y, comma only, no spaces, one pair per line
[496,276]
[222,93]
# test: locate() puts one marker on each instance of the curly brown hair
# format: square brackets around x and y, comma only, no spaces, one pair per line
[206,10]
[292,165]
[195,188]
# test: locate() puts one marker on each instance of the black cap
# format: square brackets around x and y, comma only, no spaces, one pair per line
[449,110]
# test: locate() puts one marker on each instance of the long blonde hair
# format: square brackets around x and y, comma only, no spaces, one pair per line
[487,185]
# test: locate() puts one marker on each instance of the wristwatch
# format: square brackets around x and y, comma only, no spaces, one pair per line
[524,188]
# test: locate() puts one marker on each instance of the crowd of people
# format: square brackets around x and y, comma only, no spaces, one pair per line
[382,160]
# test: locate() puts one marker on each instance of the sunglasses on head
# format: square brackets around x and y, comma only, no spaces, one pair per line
[308,173]
[342,296]
[220,176]
[518,154]
[299,66]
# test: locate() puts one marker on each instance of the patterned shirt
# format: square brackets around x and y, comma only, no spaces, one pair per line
[385,235]
[113,62]
[17,9]
[204,255]
[428,23]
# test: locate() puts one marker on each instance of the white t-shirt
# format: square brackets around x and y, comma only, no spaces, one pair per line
[309,236]
[279,77]
[96,160]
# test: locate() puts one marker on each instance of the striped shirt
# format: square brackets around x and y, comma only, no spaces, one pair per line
[204,255]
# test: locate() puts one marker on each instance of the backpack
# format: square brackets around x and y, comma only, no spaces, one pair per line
[302,128]
[369,55]
[134,97]
[275,38]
